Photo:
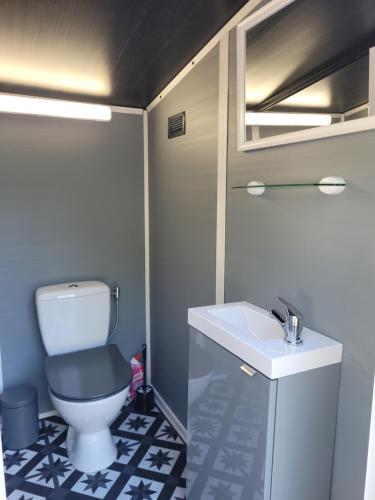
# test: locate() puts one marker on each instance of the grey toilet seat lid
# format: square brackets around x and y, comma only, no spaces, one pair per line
[87,375]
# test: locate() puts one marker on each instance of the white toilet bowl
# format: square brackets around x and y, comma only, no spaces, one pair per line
[88,389]
[88,379]
[89,442]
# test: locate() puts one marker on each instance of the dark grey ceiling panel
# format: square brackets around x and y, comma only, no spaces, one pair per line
[120,52]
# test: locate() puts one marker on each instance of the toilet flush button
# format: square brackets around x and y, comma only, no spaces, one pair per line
[73,285]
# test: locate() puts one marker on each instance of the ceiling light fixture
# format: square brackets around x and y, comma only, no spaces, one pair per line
[52,107]
[288,119]
[86,80]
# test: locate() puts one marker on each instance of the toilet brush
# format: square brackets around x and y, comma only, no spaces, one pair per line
[144,398]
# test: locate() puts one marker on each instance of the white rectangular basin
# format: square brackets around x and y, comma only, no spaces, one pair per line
[250,333]
[240,316]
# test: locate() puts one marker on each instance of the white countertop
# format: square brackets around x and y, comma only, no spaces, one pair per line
[252,335]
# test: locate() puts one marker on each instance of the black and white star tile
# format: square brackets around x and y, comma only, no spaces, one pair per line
[150,463]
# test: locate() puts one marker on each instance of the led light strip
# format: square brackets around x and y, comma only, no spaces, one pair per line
[53,107]
[287,119]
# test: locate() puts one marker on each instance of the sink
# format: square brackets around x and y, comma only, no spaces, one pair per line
[249,320]
[249,332]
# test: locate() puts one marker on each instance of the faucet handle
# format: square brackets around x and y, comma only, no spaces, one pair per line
[291,310]
[293,323]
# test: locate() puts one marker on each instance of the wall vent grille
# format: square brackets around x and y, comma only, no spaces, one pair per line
[176,125]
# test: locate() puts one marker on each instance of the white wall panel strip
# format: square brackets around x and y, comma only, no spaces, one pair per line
[147,245]
[1,375]
[370,474]
[2,477]
[222,149]
[371,89]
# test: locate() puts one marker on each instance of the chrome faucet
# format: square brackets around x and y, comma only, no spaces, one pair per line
[292,323]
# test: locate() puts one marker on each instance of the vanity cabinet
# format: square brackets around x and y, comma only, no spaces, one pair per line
[253,438]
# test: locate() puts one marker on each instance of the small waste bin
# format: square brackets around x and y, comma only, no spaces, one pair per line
[19,409]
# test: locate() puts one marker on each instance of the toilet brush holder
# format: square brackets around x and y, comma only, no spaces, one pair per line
[144,398]
[144,395]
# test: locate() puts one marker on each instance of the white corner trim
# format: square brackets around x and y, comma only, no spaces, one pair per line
[222,150]
[370,476]
[171,416]
[147,245]
[245,10]
[1,375]
[46,414]
[128,111]
[371,82]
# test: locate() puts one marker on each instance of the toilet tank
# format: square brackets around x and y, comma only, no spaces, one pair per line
[73,316]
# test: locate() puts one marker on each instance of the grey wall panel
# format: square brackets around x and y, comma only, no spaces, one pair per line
[71,208]
[183,223]
[318,251]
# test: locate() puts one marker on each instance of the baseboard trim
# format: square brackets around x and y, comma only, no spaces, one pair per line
[171,416]
[46,414]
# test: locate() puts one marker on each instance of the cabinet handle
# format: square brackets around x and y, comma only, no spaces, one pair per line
[248,370]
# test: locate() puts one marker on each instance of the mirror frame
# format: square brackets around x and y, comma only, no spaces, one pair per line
[349,127]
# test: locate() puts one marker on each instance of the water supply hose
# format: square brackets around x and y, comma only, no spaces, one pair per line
[116,294]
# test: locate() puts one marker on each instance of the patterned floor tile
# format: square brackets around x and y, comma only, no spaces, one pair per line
[138,488]
[179,493]
[51,430]
[143,470]
[22,495]
[125,449]
[52,471]
[15,460]
[168,433]
[96,485]
[160,459]
[136,423]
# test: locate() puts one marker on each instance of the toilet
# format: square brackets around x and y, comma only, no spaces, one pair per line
[88,380]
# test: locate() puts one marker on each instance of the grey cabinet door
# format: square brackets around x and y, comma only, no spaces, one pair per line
[230,426]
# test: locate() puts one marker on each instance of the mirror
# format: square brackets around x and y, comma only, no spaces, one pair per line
[303,71]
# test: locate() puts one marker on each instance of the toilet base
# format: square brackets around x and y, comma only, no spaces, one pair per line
[90,452]
[89,442]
